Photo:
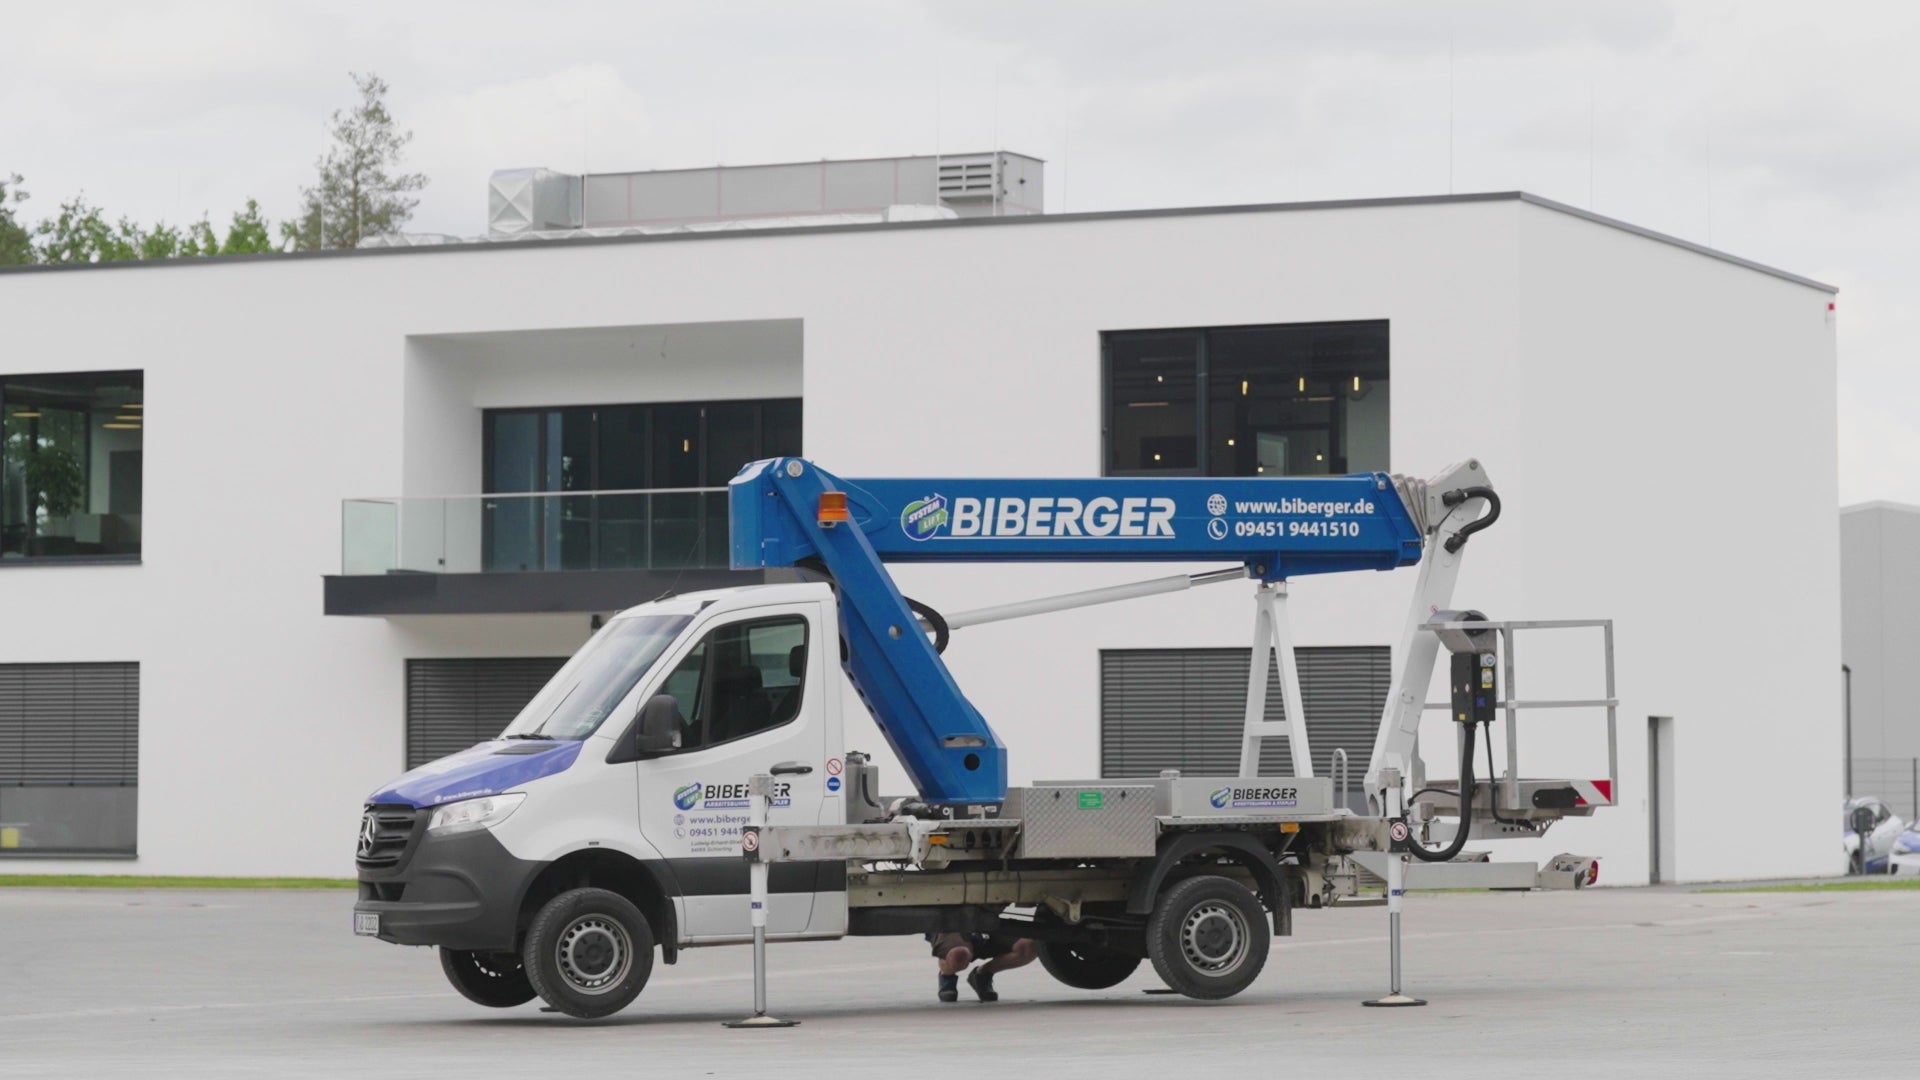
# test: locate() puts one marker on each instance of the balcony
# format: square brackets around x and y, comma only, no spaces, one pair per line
[577,551]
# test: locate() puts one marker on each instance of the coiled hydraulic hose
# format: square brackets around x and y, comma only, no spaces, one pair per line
[935,621]
[1426,854]
[1460,495]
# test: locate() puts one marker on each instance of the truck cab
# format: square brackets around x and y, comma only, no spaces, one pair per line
[461,852]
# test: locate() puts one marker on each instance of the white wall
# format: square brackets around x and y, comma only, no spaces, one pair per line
[974,351]
[1880,633]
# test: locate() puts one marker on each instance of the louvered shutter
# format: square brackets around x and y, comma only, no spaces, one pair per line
[1184,709]
[453,704]
[70,725]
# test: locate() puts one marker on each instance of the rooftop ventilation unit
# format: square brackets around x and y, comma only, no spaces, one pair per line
[532,200]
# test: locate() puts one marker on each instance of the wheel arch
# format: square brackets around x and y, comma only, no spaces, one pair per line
[1240,849]
[616,871]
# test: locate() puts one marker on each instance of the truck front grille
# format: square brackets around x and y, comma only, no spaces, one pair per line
[385,834]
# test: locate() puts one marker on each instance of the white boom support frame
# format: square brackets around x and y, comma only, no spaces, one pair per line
[1395,746]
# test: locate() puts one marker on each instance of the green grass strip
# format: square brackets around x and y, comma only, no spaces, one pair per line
[137,881]
[1875,884]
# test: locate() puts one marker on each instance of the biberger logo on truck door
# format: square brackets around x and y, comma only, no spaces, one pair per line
[994,517]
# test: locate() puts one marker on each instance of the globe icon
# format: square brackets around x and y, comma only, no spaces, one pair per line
[1216,504]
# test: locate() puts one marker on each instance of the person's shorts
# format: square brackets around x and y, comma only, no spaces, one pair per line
[984,946]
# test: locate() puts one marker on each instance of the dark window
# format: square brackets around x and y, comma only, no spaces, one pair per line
[70,452]
[1186,709]
[742,679]
[1304,399]
[550,466]
[69,758]
[453,704]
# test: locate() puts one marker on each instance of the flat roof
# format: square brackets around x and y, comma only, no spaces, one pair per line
[1881,504]
[1017,221]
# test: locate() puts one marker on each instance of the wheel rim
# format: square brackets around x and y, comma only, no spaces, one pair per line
[594,954]
[495,965]
[1214,938]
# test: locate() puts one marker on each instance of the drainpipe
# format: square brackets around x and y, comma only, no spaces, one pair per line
[1846,679]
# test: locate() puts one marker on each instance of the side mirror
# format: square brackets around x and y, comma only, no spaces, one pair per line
[655,730]
[659,725]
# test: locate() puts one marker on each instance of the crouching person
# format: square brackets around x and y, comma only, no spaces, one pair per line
[996,952]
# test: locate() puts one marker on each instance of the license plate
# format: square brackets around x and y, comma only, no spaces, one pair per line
[366,923]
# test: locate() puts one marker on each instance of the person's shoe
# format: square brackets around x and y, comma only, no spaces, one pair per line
[982,982]
[949,987]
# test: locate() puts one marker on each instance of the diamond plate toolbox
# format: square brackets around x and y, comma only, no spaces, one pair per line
[1093,818]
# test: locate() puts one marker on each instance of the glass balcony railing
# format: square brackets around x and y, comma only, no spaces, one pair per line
[659,529]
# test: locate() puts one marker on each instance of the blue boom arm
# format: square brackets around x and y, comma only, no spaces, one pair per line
[1277,528]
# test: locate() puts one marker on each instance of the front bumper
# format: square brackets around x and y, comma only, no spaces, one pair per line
[460,892]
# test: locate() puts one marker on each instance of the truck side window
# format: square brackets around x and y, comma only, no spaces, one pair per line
[742,679]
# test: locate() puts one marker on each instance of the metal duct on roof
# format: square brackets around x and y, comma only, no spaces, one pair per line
[532,200]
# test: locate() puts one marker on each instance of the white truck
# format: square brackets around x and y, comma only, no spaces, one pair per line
[616,813]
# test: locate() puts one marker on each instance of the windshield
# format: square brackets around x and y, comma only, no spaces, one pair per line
[592,684]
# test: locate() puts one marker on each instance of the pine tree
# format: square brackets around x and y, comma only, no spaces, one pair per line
[360,192]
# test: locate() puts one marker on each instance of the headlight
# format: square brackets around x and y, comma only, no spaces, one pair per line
[470,814]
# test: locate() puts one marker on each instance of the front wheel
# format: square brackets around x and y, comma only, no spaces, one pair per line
[494,979]
[589,952]
[1083,966]
[1208,937]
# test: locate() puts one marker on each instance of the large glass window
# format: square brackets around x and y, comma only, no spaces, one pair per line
[1303,399]
[70,449]
[551,466]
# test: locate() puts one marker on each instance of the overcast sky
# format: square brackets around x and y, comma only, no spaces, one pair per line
[1785,132]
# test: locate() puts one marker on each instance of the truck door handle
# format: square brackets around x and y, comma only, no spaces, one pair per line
[792,768]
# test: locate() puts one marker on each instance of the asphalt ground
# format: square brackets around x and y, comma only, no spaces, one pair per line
[1614,983]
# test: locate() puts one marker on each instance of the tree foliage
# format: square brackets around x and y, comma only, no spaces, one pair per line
[81,233]
[16,243]
[360,191]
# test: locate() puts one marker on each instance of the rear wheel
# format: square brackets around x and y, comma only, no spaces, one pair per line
[1083,966]
[589,952]
[1208,937]
[494,979]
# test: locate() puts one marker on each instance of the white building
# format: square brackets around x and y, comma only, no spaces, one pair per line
[1880,634]
[275,649]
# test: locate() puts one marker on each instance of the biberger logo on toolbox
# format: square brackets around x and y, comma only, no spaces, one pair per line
[993,517]
[1271,798]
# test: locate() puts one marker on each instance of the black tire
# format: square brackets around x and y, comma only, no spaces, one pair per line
[1083,966]
[1208,937]
[588,952]
[494,979]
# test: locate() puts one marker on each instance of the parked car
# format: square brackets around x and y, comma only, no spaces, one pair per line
[1906,851]
[1883,829]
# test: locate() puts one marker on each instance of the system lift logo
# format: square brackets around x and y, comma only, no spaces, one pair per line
[688,797]
[922,518]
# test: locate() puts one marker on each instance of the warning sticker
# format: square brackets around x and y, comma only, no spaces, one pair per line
[833,766]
